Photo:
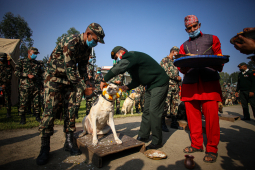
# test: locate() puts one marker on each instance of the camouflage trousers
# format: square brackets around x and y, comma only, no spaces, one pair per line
[172,102]
[7,97]
[79,94]
[139,100]
[52,91]
[27,95]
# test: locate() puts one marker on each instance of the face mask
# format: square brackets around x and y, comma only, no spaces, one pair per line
[194,34]
[118,60]
[33,56]
[91,43]
[90,60]
[242,70]
[98,72]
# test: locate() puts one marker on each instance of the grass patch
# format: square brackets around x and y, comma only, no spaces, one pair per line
[14,122]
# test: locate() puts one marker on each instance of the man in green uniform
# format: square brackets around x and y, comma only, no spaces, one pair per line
[140,98]
[145,71]
[172,98]
[246,86]
[29,72]
[61,77]
[5,81]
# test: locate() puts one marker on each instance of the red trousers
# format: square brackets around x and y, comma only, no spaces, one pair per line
[194,116]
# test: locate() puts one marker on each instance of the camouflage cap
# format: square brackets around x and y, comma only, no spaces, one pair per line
[115,50]
[175,49]
[34,49]
[98,30]
[98,68]
[241,64]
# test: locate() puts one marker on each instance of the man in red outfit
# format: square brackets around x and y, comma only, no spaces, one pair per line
[201,88]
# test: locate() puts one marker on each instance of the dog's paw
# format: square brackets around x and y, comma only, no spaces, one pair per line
[118,141]
[95,141]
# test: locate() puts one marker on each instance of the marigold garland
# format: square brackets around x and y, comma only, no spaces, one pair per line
[111,97]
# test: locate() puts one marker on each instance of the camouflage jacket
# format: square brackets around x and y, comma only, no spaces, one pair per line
[139,89]
[23,68]
[171,71]
[5,73]
[98,78]
[63,61]
[90,70]
[119,77]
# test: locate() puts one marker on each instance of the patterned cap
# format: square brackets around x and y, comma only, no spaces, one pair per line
[115,50]
[98,30]
[175,49]
[34,49]
[190,19]
[241,64]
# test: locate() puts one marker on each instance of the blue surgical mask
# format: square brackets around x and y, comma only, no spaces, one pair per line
[90,60]
[91,43]
[33,56]
[118,60]
[194,34]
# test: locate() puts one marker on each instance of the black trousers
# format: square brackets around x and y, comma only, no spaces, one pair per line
[245,99]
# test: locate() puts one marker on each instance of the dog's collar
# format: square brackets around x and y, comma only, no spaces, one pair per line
[130,98]
[111,97]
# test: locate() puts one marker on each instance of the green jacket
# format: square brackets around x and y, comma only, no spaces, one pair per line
[143,69]
[246,81]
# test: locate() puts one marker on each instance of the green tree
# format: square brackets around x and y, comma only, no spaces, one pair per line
[45,60]
[72,30]
[251,65]
[234,77]
[224,77]
[17,28]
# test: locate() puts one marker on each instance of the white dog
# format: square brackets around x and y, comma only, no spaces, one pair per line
[101,115]
[128,104]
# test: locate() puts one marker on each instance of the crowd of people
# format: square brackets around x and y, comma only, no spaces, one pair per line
[69,73]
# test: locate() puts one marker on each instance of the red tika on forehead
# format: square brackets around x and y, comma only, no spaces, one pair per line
[190,19]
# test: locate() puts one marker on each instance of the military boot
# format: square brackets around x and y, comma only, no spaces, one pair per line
[43,157]
[163,124]
[8,115]
[70,145]
[175,124]
[137,110]
[23,119]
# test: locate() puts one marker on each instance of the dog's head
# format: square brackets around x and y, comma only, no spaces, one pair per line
[112,89]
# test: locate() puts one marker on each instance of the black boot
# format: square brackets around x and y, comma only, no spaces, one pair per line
[23,119]
[8,115]
[38,119]
[137,110]
[175,124]
[70,145]
[163,124]
[117,111]
[43,157]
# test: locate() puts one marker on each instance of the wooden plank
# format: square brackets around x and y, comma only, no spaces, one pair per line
[231,118]
[106,146]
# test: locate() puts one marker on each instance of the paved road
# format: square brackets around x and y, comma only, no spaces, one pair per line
[19,148]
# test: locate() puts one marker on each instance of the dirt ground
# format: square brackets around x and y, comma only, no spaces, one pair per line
[19,148]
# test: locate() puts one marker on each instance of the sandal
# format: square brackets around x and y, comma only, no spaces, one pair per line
[192,149]
[211,155]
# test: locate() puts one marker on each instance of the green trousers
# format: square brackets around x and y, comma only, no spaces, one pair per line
[245,99]
[153,110]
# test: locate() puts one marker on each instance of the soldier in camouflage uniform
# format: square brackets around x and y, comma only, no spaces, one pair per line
[173,90]
[118,80]
[90,69]
[61,77]
[5,81]
[140,98]
[29,72]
